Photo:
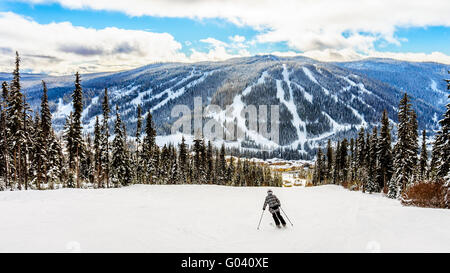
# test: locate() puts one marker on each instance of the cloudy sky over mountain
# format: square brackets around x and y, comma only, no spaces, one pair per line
[62,36]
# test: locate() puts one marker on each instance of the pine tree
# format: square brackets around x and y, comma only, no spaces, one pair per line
[372,185]
[336,163]
[319,168]
[183,161]
[164,171]
[15,123]
[209,163]
[105,158]
[174,171]
[77,97]
[46,132]
[87,161]
[97,152]
[385,168]
[343,164]
[231,172]
[329,167]
[139,171]
[55,161]
[405,153]
[148,150]
[4,137]
[119,154]
[443,146]
[68,137]
[39,155]
[351,160]
[423,163]
[222,166]
[444,164]
[239,175]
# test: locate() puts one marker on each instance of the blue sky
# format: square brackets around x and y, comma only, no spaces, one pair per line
[205,32]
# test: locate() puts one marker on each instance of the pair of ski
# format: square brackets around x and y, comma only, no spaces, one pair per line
[272,223]
[279,226]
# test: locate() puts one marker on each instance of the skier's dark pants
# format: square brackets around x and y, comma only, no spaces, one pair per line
[277,217]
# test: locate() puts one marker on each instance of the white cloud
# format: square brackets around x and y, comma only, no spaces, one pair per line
[214,42]
[237,38]
[61,48]
[219,51]
[306,25]
[344,55]
[327,30]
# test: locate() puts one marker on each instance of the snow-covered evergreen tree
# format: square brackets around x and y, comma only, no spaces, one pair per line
[385,168]
[405,158]
[319,168]
[183,159]
[15,125]
[372,184]
[423,163]
[119,163]
[149,148]
[77,137]
[329,167]
[105,150]
[138,166]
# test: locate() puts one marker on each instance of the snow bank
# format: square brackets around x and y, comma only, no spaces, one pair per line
[207,218]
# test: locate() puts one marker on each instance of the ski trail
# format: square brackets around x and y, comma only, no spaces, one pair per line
[175,94]
[307,95]
[310,76]
[228,115]
[290,105]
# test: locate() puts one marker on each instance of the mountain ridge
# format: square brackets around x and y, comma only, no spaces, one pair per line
[318,100]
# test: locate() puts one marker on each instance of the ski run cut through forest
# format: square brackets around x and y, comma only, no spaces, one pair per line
[211,218]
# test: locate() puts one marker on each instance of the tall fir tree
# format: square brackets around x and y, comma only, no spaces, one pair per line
[46,131]
[183,160]
[105,150]
[329,167]
[444,164]
[138,166]
[77,138]
[119,154]
[97,152]
[319,168]
[405,153]
[68,137]
[385,168]
[15,124]
[423,162]
[372,185]
[222,166]
[343,164]
[148,150]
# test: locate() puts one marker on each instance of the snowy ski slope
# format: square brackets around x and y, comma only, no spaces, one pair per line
[207,218]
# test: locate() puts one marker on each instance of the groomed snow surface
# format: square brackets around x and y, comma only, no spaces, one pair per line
[208,218]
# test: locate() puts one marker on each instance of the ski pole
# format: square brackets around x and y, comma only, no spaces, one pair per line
[286,216]
[260,220]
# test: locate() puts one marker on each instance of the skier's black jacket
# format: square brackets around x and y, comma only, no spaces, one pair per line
[273,202]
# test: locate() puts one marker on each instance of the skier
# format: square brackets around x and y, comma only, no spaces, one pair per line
[274,208]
